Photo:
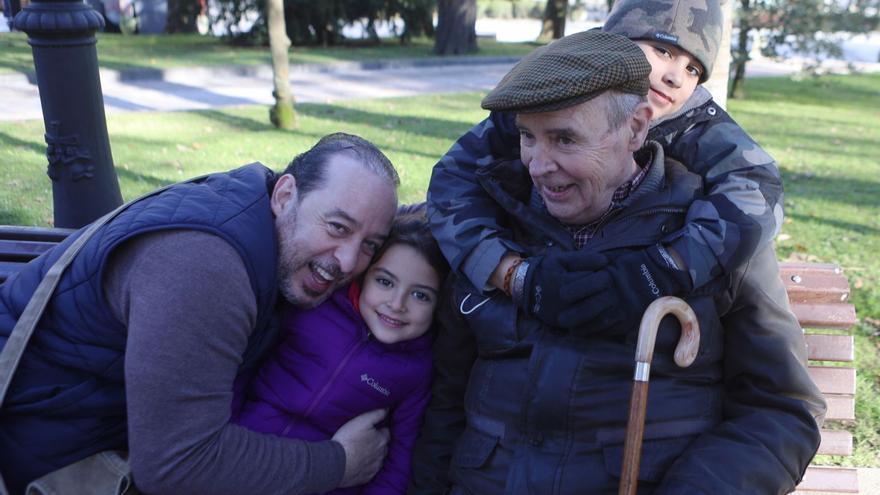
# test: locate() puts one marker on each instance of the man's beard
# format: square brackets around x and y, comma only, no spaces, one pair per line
[290,261]
[285,233]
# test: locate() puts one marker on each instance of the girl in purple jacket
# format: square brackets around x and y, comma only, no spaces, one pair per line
[367,347]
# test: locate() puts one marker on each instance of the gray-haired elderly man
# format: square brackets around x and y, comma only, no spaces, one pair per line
[520,407]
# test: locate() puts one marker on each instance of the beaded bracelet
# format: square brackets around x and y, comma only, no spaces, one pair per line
[509,275]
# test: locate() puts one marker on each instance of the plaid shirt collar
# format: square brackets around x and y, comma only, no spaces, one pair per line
[583,233]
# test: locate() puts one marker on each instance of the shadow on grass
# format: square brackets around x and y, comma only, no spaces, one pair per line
[839,190]
[832,91]
[15,53]
[7,141]
[834,149]
[151,181]
[831,119]
[835,223]
[424,126]
[239,122]
[14,217]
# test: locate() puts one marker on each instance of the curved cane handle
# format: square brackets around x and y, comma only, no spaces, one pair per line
[688,343]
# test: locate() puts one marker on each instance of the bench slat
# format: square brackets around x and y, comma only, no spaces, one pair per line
[834,380]
[836,442]
[840,407]
[825,315]
[830,480]
[22,251]
[45,234]
[823,347]
[817,287]
[794,267]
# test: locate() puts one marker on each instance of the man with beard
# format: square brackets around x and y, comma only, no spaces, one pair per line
[173,299]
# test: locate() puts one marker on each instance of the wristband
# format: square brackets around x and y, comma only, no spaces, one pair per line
[509,275]
[519,281]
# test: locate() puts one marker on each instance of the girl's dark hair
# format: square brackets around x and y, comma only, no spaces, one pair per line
[410,227]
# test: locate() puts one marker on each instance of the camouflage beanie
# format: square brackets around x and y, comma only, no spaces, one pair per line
[570,71]
[692,25]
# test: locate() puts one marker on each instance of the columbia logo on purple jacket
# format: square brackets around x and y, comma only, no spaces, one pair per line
[373,383]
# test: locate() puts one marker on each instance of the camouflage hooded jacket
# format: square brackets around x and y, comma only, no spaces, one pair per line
[741,212]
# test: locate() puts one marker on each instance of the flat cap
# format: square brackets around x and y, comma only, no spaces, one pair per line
[570,71]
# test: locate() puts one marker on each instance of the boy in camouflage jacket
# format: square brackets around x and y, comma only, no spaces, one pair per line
[741,212]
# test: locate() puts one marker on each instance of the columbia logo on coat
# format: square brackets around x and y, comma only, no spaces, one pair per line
[365,378]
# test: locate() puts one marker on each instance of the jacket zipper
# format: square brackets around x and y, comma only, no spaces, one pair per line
[314,403]
[632,217]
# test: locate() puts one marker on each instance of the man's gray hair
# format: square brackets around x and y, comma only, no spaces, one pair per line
[309,168]
[621,106]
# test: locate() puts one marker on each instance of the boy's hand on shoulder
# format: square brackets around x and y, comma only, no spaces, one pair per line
[620,291]
[546,282]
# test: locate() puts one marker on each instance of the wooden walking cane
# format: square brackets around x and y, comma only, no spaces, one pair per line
[685,353]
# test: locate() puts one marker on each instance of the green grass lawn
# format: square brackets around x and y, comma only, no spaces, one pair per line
[824,133]
[116,51]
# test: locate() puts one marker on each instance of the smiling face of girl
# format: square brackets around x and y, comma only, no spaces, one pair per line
[399,295]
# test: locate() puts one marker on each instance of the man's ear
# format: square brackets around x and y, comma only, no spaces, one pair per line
[283,193]
[639,124]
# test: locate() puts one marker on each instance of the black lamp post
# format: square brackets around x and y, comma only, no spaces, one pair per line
[62,36]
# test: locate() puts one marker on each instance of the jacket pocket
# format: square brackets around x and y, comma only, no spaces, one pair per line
[657,457]
[473,449]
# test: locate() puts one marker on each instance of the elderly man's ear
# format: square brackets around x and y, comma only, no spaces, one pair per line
[639,124]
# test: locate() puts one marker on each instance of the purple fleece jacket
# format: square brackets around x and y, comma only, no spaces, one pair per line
[329,369]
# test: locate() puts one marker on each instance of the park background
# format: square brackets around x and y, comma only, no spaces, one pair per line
[821,121]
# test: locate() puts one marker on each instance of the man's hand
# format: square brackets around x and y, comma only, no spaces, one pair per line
[623,289]
[365,447]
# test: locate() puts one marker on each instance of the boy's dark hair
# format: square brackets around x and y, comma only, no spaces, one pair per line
[410,227]
[309,168]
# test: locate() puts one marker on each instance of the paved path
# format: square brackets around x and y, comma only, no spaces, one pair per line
[203,88]
[193,89]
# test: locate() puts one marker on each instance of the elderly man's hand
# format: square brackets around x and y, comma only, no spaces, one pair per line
[621,290]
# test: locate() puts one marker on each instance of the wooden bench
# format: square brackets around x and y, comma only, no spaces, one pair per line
[819,298]
[819,295]
[18,245]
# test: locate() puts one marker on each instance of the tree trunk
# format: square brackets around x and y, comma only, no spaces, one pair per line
[456,27]
[719,82]
[182,16]
[555,14]
[418,21]
[741,56]
[282,115]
